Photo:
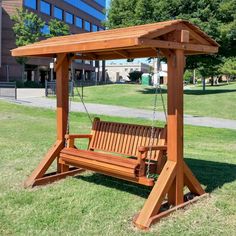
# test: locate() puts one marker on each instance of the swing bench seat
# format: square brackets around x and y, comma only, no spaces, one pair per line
[119,150]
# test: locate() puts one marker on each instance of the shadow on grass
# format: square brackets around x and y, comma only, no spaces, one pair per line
[191,92]
[117,184]
[211,174]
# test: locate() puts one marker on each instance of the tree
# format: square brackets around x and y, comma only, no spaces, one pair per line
[216,17]
[228,68]
[135,76]
[27,28]
[57,28]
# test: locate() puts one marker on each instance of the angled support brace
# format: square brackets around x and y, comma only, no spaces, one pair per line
[156,197]
[151,211]
[45,163]
[39,176]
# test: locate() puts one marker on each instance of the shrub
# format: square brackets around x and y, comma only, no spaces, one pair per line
[135,76]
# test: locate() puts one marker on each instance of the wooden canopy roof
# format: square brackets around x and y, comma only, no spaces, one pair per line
[131,42]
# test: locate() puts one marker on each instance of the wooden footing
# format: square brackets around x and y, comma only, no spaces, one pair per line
[39,176]
[167,212]
[166,183]
[54,176]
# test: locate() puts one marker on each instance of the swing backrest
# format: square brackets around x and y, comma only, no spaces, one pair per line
[125,138]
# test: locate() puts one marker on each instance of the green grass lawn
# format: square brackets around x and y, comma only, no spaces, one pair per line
[93,204]
[216,101]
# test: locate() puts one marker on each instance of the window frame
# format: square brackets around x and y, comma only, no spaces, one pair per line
[79,18]
[41,9]
[62,12]
[29,5]
[89,23]
[65,17]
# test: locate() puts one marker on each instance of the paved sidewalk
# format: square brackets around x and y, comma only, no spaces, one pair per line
[119,111]
[25,93]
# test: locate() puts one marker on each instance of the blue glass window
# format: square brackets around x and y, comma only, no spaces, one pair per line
[45,7]
[87,8]
[94,28]
[101,2]
[45,30]
[30,3]
[58,13]
[87,26]
[69,18]
[79,22]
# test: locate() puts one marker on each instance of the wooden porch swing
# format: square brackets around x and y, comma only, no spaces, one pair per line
[164,157]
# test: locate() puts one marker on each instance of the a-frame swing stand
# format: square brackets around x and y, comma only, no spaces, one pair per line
[175,174]
[175,39]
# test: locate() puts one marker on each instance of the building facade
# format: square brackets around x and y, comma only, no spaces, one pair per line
[81,16]
[117,72]
[0,34]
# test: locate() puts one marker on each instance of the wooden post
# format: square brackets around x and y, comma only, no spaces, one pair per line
[62,89]
[175,122]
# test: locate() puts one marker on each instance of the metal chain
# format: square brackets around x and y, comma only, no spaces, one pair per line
[163,102]
[154,116]
[85,108]
[68,116]
[151,140]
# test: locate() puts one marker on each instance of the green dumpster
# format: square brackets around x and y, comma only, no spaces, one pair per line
[146,79]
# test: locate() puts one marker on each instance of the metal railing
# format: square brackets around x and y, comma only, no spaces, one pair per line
[87,83]
[50,88]
[8,90]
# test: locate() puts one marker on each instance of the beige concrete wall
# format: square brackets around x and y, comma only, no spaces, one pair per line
[121,71]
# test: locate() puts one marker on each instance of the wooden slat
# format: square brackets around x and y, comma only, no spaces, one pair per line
[161,141]
[105,135]
[112,145]
[140,135]
[131,145]
[128,140]
[117,137]
[134,150]
[126,133]
[98,165]
[105,158]
[97,136]
[121,136]
[109,137]
[102,134]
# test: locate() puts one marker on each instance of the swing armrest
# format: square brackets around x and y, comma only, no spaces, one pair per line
[144,149]
[70,138]
[73,136]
